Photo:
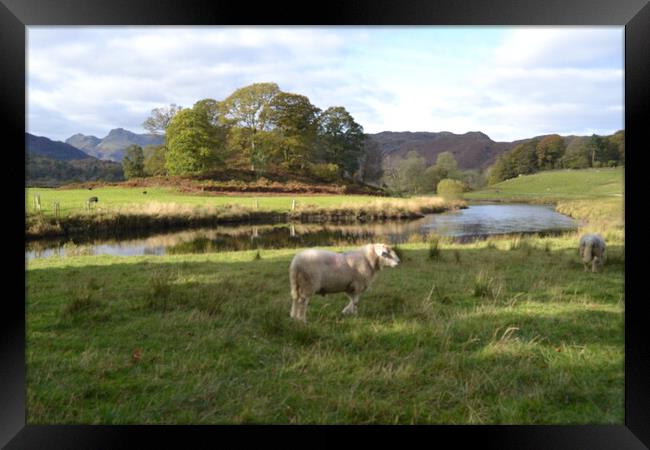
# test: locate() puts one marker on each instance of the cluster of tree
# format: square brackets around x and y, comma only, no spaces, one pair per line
[44,171]
[412,175]
[553,152]
[261,128]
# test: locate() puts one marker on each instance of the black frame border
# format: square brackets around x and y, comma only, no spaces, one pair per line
[16,15]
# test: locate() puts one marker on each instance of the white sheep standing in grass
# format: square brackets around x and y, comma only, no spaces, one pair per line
[592,251]
[323,272]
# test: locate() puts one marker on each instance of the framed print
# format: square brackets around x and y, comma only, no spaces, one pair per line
[409,215]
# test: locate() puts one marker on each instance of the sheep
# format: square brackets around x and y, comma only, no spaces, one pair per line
[592,250]
[323,272]
[93,200]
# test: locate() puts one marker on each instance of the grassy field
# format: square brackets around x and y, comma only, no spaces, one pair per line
[500,331]
[557,185]
[503,331]
[73,201]
[125,210]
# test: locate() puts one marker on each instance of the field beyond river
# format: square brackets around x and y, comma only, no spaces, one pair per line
[503,330]
[66,212]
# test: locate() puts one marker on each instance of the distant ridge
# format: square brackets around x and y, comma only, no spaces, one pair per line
[472,150]
[42,146]
[111,147]
[53,163]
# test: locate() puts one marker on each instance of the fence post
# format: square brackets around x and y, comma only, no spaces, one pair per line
[37,202]
[293,204]
[56,209]
[257,205]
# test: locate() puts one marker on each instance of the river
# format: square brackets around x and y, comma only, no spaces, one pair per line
[477,221]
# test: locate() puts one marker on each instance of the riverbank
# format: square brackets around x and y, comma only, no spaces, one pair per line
[155,215]
[506,330]
[593,196]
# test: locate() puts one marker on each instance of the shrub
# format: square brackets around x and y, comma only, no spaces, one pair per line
[450,187]
[325,172]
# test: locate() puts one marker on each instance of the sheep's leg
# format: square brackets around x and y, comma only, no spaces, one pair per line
[351,308]
[294,308]
[594,264]
[299,309]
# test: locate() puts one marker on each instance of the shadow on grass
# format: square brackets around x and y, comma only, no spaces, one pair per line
[426,346]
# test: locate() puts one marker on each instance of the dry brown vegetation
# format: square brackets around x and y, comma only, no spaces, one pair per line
[260,185]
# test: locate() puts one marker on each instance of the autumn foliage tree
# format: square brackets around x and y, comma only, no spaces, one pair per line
[549,151]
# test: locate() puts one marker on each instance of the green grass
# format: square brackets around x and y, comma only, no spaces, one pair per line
[552,186]
[501,331]
[73,201]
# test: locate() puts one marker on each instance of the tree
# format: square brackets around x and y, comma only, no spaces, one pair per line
[248,108]
[597,149]
[446,163]
[370,165]
[160,119]
[576,155]
[154,160]
[133,162]
[407,175]
[433,175]
[549,151]
[295,124]
[472,179]
[501,170]
[523,158]
[194,145]
[341,139]
[617,142]
[214,111]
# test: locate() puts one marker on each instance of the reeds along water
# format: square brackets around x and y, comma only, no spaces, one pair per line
[163,216]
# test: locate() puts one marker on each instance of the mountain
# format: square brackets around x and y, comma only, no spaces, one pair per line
[83,142]
[42,146]
[113,145]
[472,150]
[53,163]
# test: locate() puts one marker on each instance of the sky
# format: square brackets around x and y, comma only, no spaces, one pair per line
[508,82]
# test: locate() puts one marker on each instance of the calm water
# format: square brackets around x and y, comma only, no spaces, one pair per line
[477,221]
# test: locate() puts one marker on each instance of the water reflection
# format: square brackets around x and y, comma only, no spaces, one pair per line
[475,221]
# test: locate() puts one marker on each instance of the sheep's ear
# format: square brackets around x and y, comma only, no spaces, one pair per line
[378,249]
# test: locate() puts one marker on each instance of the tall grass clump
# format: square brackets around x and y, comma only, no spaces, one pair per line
[160,288]
[487,286]
[80,300]
[514,243]
[434,247]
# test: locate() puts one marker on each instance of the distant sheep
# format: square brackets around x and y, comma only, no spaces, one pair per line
[592,251]
[93,200]
[323,272]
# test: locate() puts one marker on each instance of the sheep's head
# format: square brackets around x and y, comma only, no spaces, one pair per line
[387,256]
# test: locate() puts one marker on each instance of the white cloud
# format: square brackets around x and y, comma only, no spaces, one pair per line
[533,81]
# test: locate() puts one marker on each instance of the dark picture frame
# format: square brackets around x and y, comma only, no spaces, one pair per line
[16,15]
